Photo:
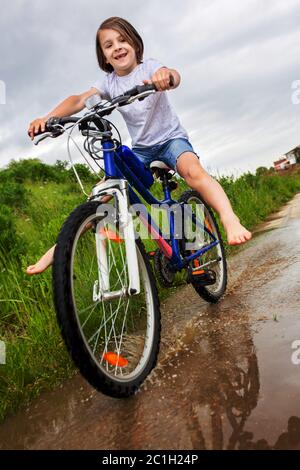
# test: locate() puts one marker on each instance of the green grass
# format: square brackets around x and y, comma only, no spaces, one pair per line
[29,224]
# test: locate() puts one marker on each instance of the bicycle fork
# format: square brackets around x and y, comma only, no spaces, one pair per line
[117,188]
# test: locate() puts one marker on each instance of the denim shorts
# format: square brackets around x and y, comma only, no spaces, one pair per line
[168,152]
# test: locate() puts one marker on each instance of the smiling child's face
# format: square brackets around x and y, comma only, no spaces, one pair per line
[117,51]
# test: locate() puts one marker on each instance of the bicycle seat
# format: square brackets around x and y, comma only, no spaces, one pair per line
[160,170]
[158,165]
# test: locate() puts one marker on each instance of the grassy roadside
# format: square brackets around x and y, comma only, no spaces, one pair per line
[32,210]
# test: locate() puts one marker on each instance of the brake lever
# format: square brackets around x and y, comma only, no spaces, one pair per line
[144,95]
[45,136]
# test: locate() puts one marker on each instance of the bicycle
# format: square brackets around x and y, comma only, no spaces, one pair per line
[104,289]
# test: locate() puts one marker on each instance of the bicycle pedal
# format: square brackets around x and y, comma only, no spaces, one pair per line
[202,277]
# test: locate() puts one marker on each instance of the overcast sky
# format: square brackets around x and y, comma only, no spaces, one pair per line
[238,61]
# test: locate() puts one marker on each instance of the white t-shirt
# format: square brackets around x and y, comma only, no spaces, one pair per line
[151,121]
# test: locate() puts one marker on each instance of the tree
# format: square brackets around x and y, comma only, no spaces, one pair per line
[61,164]
[261,171]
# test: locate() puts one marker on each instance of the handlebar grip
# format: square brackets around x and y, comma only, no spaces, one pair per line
[151,86]
[52,121]
[148,87]
[172,81]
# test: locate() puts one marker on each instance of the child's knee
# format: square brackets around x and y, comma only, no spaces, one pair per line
[195,172]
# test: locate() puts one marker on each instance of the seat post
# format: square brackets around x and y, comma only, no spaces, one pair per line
[166,185]
[164,174]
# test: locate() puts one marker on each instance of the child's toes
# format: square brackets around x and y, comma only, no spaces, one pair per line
[249,235]
[30,270]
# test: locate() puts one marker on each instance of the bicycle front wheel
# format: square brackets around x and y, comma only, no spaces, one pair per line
[113,341]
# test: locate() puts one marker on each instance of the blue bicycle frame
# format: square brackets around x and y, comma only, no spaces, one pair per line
[115,167]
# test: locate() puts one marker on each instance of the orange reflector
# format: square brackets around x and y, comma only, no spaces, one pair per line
[115,360]
[195,261]
[113,236]
[208,224]
[195,273]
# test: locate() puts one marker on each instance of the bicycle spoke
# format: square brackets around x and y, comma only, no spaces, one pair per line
[212,258]
[116,330]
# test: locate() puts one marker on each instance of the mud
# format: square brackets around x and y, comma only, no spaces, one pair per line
[227,378]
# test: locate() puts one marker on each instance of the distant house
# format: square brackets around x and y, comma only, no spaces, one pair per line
[287,160]
[281,164]
[291,157]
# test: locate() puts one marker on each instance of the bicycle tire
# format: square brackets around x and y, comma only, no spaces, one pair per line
[207,292]
[68,317]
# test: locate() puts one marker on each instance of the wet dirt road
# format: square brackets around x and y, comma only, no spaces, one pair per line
[228,376]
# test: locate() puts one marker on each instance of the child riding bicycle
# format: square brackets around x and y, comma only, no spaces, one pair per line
[153,125]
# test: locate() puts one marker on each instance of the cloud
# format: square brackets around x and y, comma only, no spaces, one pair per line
[237,61]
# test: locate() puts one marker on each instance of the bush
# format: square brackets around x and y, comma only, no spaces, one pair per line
[33,170]
[83,172]
[61,170]
[8,234]
[261,171]
[13,194]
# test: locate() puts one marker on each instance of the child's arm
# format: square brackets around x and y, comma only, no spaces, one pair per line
[161,79]
[71,105]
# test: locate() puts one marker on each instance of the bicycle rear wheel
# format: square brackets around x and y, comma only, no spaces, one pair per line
[215,258]
[114,342]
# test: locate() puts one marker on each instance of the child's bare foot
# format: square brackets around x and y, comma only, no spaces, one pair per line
[43,263]
[236,232]
[47,259]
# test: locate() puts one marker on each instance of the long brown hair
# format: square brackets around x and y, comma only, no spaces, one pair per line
[128,32]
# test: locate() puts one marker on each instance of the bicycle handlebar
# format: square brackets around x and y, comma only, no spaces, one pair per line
[139,92]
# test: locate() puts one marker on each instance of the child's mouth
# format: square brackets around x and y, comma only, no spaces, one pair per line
[121,56]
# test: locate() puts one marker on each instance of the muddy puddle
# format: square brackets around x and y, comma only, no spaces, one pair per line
[228,375]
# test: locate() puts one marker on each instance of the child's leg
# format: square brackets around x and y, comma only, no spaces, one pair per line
[43,263]
[47,259]
[189,167]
